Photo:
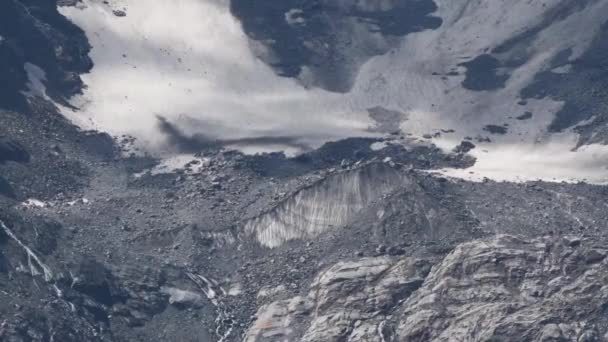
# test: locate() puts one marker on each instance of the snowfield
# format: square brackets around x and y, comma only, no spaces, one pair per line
[190,62]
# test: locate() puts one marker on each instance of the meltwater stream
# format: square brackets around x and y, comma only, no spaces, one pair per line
[210,75]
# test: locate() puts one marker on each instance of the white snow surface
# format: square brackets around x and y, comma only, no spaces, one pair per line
[189,61]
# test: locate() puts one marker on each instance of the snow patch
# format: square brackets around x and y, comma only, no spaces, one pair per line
[198,72]
[554,162]
[187,162]
[378,145]
[34,203]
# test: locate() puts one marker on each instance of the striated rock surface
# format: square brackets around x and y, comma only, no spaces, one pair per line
[351,300]
[547,289]
[500,289]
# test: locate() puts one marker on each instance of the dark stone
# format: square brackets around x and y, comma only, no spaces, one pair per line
[12,151]
[495,129]
[525,116]
[464,147]
[593,256]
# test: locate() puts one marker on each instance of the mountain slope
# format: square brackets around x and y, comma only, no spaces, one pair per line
[281,171]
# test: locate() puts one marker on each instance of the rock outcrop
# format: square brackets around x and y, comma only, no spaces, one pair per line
[350,299]
[505,288]
[502,288]
[33,33]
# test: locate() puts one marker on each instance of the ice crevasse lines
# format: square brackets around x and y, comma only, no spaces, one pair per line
[327,204]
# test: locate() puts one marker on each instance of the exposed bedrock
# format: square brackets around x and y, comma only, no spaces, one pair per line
[34,33]
[324,43]
[327,204]
[501,288]
[351,298]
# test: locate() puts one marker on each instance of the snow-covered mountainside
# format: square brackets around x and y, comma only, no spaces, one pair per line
[293,75]
[303,170]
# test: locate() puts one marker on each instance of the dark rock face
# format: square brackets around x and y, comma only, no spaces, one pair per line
[12,151]
[34,32]
[129,295]
[95,281]
[464,147]
[319,35]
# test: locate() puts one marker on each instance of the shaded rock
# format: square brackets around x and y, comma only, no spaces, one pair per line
[464,147]
[96,281]
[495,129]
[12,151]
[53,321]
[36,33]
[525,116]
[6,189]
[483,73]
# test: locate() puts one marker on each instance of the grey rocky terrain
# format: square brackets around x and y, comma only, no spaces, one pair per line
[341,243]
[500,288]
